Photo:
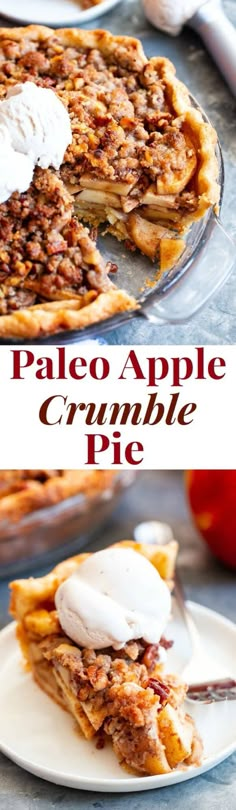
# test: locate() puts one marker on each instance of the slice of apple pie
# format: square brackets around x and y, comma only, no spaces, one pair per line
[93,639]
[141,163]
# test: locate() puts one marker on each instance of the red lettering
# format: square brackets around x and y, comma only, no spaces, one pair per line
[61,363]
[116,448]
[105,368]
[97,443]
[200,363]
[152,372]
[179,375]
[186,410]
[22,358]
[170,418]
[75,364]
[43,412]
[132,363]
[152,406]
[47,367]
[133,447]
[214,363]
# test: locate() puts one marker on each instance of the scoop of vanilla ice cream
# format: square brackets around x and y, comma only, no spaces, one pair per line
[115,596]
[16,170]
[37,122]
[171,15]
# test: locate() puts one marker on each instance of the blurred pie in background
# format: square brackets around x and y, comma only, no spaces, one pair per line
[53,510]
[24,491]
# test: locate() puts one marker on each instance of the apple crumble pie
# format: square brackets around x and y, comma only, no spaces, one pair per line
[141,163]
[25,491]
[118,691]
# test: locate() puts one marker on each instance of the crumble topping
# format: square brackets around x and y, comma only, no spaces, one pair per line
[121,694]
[137,144]
[121,116]
[44,249]
[119,698]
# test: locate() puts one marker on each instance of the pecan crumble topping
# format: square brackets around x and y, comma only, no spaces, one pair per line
[139,151]
[119,694]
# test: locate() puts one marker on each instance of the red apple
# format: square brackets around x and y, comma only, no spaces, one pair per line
[212,498]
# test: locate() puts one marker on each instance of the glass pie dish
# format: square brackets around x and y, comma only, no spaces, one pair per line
[173,296]
[62,529]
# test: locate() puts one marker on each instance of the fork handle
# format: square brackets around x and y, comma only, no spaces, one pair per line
[212,691]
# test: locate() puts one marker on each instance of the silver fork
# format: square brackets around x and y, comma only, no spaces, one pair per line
[220,687]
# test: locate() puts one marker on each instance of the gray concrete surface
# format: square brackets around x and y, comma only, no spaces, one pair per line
[155,494]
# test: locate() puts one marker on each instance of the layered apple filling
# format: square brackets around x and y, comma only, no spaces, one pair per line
[118,691]
[141,164]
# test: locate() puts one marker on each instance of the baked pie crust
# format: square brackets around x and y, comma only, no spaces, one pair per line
[122,694]
[142,163]
[26,491]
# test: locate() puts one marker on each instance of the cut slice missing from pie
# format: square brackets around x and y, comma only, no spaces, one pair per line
[52,276]
[118,693]
[141,164]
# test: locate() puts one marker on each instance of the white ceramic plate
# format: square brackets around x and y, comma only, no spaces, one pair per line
[40,737]
[53,12]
